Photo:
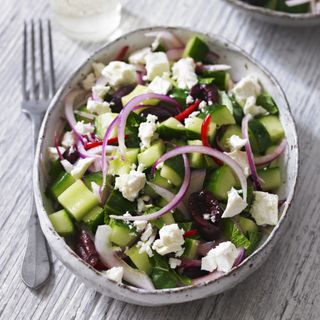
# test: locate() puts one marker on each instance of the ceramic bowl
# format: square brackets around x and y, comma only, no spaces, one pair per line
[242,65]
[277,17]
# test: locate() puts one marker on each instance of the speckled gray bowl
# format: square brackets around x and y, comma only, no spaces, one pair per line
[277,17]
[242,65]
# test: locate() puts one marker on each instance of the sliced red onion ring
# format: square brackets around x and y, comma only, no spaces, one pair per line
[240,258]
[175,54]
[196,184]
[134,102]
[253,169]
[169,39]
[259,161]
[168,196]
[208,278]
[110,259]
[171,205]
[212,67]
[69,113]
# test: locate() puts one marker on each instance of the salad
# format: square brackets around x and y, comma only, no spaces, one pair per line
[289,6]
[167,171]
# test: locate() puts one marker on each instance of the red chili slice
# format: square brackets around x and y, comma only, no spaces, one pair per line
[190,233]
[186,113]
[94,144]
[122,53]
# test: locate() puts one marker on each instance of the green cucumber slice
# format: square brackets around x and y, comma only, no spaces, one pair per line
[121,234]
[118,166]
[273,126]
[266,101]
[64,181]
[171,128]
[173,170]
[140,260]
[193,128]
[78,200]
[227,133]
[261,135]
[102,123]
[196,48]
[94,218]
[190,248]
[152,154]
[220,115]
[62,223]
[118,205]
[196,160]
[271,178]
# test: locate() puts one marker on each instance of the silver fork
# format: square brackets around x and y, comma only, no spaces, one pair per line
[36,98]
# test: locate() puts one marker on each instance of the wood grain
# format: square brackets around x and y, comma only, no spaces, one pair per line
[286,287]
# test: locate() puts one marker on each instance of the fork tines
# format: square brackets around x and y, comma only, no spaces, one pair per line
[41,87]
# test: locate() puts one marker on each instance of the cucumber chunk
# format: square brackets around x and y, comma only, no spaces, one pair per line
[196,160]
[220,115]
[273,126]
[94,218]
[95,177]
[180,95]
[163,220]
[64,181]
[121,234]
[227,134]
[196,48]
[78,200]
[118,166]
[171,128]
[193,128]
[261,135]
[246,225]
[266,101]
[219,182]
[190,248]
[219,78]
[137,91]
[152,154]
[173,170]
[140,260]
[271,178]
[102,123]
[62,223]
[118,205]
[160,181]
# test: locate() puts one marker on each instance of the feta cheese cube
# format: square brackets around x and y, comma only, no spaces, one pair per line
[68,139]
[236,143]
[80,167]
[115,274]
[235,204]
[147,232]
[189,99]
[99,91]
[264,209]
[53,153]
[130,184]
[174,262]
[250,107]
[184,72]
[245,88]
[147,131]
[97,68]
[139,56]
[221,257]
[119,73]
[241,158]
[157,64]
[160,85]
[84,128]
[171,240]
[98,107]
[89,81]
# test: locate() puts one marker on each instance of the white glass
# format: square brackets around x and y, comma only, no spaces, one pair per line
[87,20]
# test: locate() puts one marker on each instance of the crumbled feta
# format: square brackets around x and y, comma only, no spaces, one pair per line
[84,128]
[68,139]
[160,85]
[189,99]
[97,68]
[147,131]
[145,247]
[89,81]
[206,216]
[245,88]
[115,274]
[139,56]
[265,208]
[202,105]
[80,167]
[157,63]
[147,233]
[100,91]
[173,262]
[130,184]
[119,73]
[53,153]
[236,143]
[140,206]
[98,107]
[140,224]
[241,158]
[235,204]
[250,107]
[171,240]
[190,120]
[184,72]
[221,257]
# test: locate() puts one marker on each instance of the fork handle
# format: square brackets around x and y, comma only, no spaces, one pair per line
[36,264]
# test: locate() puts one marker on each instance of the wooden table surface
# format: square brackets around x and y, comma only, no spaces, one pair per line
[286,287]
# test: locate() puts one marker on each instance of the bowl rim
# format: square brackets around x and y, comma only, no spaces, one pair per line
[273,13]
[42,213]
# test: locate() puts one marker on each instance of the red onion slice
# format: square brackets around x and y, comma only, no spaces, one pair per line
[168,196]
[208,278]
[260,161]
[171,205]
[245,135]
[175,54]
[240,258]
[170,40]
[108,257]
[134,102]
[69,113]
